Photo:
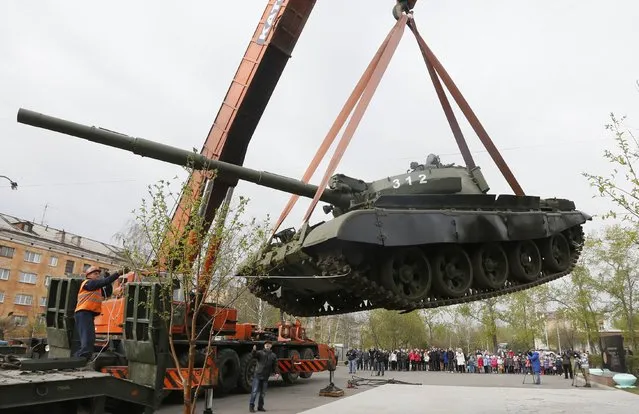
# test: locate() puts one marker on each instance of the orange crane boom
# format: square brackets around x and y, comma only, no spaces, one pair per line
[259,71]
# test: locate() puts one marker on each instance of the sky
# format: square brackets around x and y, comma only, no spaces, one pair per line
[542,76]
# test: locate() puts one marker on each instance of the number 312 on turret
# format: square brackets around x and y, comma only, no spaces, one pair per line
[409,180]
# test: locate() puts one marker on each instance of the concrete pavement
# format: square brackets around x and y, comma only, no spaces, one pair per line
[439,392]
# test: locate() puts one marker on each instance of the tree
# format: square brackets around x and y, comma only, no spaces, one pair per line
[197,265]
[434,327]
[616,261]
[621,185]
[392,330]
[524,311]
[579,302]
[485,312]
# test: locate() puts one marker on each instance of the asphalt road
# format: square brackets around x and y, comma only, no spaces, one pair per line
[303,395]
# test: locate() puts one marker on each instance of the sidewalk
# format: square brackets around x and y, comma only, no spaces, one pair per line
[404,399]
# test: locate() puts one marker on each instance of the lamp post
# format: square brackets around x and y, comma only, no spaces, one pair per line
[14,185]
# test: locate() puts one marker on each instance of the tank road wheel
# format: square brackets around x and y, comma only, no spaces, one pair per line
[524,260]
[228,366]
[556,252]
[307,353]
[453,271]
[406,272]
[291,377]
[490,266]
[247,371]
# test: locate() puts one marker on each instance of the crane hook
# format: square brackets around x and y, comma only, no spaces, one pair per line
[400,8]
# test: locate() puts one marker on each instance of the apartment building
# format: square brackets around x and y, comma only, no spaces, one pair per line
[31,254]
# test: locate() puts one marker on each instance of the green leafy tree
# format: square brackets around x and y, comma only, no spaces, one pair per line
[392,330]
[195,267]
[524,312]
[487,314]
[579,305]
[621,186]
[616,262]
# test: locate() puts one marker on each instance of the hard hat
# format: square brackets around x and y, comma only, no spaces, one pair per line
[91,269]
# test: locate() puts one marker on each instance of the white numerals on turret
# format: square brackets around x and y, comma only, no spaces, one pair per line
[409,181]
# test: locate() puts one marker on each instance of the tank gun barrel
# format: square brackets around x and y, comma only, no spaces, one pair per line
[177,156]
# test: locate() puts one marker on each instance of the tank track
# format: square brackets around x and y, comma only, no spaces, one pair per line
[363,294]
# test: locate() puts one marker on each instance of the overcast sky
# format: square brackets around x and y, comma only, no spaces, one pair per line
[542,76]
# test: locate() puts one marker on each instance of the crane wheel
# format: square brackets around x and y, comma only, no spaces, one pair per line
[228,367]
[307,353]
[291,377]
[247,371]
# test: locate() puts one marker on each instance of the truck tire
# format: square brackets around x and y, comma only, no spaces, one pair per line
[228,367]
[307,353]
[291,377]
[247,371]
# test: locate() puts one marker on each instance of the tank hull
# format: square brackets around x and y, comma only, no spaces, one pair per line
[413,252]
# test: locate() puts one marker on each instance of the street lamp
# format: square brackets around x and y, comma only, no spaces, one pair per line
[14,185]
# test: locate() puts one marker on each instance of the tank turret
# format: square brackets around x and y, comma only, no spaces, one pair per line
[432,236]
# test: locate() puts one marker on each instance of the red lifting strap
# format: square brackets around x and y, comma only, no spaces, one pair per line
[338,124]
[369,91]
[363,93]
[431,59]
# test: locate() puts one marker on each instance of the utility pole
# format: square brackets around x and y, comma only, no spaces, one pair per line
[14,185]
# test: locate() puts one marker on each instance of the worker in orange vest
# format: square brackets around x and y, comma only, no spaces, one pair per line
[92,292]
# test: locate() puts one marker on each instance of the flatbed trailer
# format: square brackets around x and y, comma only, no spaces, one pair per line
[51,391]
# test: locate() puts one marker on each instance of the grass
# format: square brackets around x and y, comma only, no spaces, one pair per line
[631,390]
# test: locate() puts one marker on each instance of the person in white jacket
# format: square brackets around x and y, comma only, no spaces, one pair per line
[461,360]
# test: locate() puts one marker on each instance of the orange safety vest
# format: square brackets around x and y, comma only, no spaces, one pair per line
[89,300]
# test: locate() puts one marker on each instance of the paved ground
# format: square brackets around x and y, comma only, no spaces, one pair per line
[444,392]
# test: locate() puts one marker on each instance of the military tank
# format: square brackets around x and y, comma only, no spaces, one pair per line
[429,237]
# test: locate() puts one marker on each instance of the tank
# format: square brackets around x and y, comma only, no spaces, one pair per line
[429,237]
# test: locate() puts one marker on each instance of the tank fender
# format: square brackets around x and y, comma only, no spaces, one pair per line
[414,227]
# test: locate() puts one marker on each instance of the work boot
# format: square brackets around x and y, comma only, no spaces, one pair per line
[251,409]
[260,409]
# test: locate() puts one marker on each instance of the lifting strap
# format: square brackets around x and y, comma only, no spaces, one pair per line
[358,114]
[430,57]
[337,125]
[363,93]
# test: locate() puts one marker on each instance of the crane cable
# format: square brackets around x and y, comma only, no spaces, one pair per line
[382,56]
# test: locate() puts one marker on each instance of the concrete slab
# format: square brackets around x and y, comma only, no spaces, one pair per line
[409,399]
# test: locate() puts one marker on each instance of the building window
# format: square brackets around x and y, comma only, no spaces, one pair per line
[53,261]
[30,278]
[68,267]
[20,320]
[4,274]
[43,301]
[21,299]
[1,297]
[85,267]
[47,281]
[32,257]
[7,251]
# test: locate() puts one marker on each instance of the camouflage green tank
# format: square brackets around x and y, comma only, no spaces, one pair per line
[430,237]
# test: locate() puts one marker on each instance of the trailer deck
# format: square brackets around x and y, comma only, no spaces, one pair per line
[24,389]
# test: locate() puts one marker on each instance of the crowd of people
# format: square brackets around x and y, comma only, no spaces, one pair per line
[456,361]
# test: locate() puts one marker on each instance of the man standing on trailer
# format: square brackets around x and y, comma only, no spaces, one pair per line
[266,365]
[92,292]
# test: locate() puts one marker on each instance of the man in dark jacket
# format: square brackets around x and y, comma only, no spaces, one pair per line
[351,355]
[266,365]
